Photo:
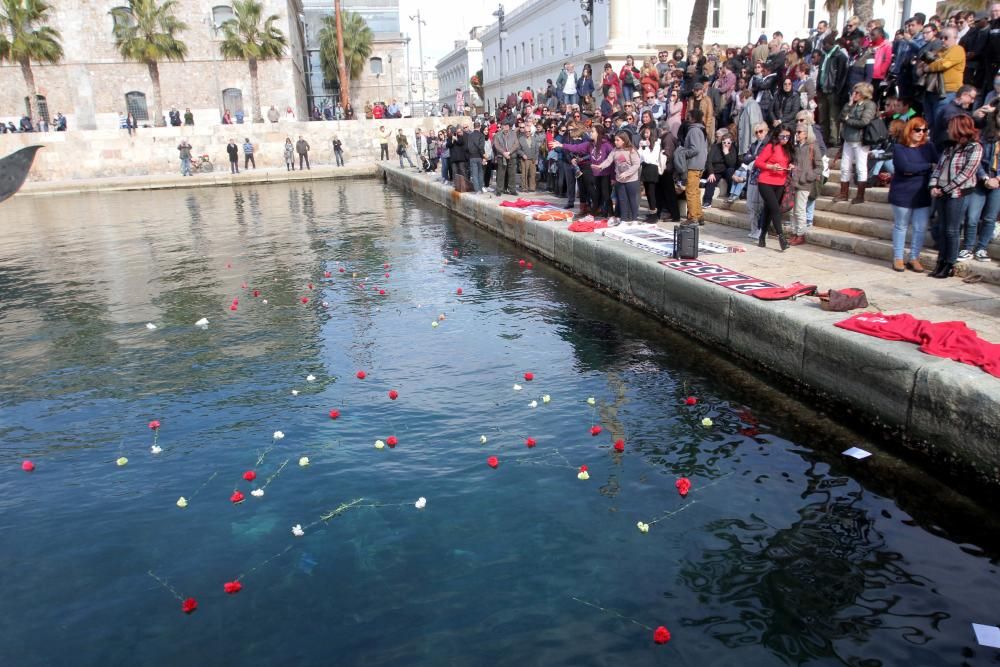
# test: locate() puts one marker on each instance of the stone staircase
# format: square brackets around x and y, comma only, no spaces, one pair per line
[860,229]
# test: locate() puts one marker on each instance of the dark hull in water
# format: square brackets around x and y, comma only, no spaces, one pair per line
[14,169]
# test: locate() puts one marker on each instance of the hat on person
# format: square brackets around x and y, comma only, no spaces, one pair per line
[636,94]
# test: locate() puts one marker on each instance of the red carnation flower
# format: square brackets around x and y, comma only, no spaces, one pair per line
[530,265]
[236,302]
[381,292]
[583,468]
[521,262]
[154,424]
[529,376]
[249,475]
[493,462]
[391,441]
[661,635]
[691,400]
[619,445]
[393,394]
[530,442]
[305,299]
[189,605]
[595,430]
[362,375]
[455,252]
[458,291]
[387,275]
[385,266]
[341,269]
[236,498]
[310,285]
[233,307]
[683,485]
[327,274]
[256,292]
[232,587]
[27,466]
[334,413]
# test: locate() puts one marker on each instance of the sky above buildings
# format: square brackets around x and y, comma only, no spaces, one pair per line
[446,22]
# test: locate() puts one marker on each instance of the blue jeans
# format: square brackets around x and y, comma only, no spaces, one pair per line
[810,212]
[476,173]
[981,218]
[571,99]
[444,168]
[628,200]
[878,165]
[407,156]
[627,92]
[902,219]
[185,166]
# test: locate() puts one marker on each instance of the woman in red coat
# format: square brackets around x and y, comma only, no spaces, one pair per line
[611,80]
[774,163]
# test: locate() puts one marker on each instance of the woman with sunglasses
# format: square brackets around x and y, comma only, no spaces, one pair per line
[774,162]
[913,159]
[755,205]
[721,166]
[675,112]
[952,181]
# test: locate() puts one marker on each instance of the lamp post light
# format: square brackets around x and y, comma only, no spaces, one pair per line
[500,24]
[420,48]
[392,81]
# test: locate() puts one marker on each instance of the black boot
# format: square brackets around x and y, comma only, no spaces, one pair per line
[782,242]
[762,239]
[947,271]
[937,269]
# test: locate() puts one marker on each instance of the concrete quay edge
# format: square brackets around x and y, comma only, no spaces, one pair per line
[946,413]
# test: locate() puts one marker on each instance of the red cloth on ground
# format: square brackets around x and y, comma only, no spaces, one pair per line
[786,292]
[580,226]
[951,340]
[523,203]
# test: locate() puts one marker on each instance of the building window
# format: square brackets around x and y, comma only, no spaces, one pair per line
[508,60]
[43,108]
[515,55]
[811,14]
[221,14]
[552,42]
[715,11]
[763,13]
[532,49]
[135,103]
[541,46]
[375,65]
[562,35]
[663,13]
[232,100]
[576,34]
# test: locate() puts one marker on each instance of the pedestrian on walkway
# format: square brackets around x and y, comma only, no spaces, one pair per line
[694,155]
[383,135]
[248,153]
[856,116]
[234,156]
[402,149]
[184,150]
[952,181]
[338,151]
[626,162]
[774,162]
[475,149]
[913,159]
[289,155]
[805,178]
[507,150]
[302,148]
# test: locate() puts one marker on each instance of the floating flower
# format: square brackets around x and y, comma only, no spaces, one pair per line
[27,466]
[521,262]
[661,635]
[530,265]
[385,266]
[619,445]
[327,274]
[421,503]
[493,462]
[189,605]
[458,291]
[595,430]
[533,404]
[361,375]
[379,444]
[341,269]
[381,292]
[295,392]
[434,324]
[455,252]
[529,443]
[583,474]
[236,302]
[591,401]
[249,475]
[264,301]
[310,285]
[305,299]
[706,422]
[297,530]
[528,377]
[442,317]
[278,435]
[237,497]
[391,441]
[643,527]
[387,275]
[156,449]
[310,378]
[122,461]
[393,394]
[232,587]
[546,398]
[203,322]
[233,307]
[482,439]
[334,413]
[154,425]
[304,461]
[517,387]
[256,292]
[182,502]
[691,400]
[257,493]
[683,486]
[150,326]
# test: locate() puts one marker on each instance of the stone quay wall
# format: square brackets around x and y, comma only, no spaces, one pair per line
[945,412]
[82,154]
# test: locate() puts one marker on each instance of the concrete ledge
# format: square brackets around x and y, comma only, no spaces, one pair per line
[946,412]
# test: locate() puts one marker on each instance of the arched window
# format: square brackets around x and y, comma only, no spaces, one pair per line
[126,17]
[232,100]
[135,103]
[221,14]
[375,65]
[43,108]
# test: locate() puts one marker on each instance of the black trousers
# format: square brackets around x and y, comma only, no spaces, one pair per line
[666,197]
[650,188]
[600,199]
[304,156]
[385,152]
[771,194]
[234,165]
[248,159]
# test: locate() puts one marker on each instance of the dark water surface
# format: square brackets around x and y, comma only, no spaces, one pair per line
[784,552]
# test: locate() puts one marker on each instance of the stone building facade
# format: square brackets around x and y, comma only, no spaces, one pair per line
[457,67]
[92,85]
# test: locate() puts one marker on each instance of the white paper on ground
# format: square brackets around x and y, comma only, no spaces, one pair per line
[857,453]
[987,635]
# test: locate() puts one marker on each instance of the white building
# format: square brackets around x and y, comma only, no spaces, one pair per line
[455,69]
[428,87]
[540,35]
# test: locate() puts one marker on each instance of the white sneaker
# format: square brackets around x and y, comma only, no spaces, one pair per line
[613,222]
[981,256]
[964,254]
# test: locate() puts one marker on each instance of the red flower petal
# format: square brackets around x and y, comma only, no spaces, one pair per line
[530,265]
[236,498]
[529,376]
[393,394]
[249,475]
[683,485]
[327,274]
[387,275]
[385,266]
[661,635]
[458,291]
[305,299]
[236,302]
[691,400]
[27,466]
[391,441]
[334,413]
[362,375]
[455,252]
[521,262]
[595,430]
[189,605]
[341,269]
[381,292]
[530,442]
[256,292]
[493,462]
[619,445]
[232,587]
[583,468]
[233,307]
[154,424]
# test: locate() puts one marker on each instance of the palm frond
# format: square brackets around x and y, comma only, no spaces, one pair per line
[358,39]
[25,37]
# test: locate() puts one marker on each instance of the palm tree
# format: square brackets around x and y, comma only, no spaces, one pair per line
[146,32]
[357,45]
[833,7]
[24,37]
[244,38]
[699,20]
[864,9]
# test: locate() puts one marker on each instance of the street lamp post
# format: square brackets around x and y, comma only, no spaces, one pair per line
[420,47]
[500,24]
[392,81]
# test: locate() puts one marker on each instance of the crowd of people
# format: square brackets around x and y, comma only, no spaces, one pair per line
[915,110]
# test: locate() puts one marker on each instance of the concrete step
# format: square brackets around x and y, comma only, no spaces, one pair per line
[857,244]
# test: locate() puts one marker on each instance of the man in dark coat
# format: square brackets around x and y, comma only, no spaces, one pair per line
[234,156]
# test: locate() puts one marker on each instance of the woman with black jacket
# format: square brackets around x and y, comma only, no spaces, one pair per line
[458,156]
[722,163]
[786,104]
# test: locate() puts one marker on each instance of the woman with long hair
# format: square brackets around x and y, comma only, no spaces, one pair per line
[774,163]
[913,159]
[626,161]
[649,174]
[951,182]
[629,76]
[675,112]
[600,149]
[855,117]
[786,104]
[585,84]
